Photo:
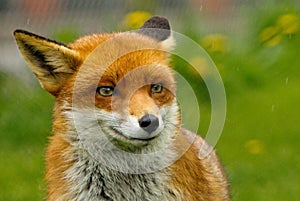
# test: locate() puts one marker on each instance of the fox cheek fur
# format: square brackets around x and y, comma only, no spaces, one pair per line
[117,92]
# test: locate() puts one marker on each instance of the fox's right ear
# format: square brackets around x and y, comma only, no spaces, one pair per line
[158,27]
[52,62]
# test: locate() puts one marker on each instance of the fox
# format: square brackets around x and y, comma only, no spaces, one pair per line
[116,131]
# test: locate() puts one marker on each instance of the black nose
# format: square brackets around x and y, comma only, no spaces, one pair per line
[149,123]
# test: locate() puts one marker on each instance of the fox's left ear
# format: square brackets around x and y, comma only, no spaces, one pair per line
[158,27]
[52,62]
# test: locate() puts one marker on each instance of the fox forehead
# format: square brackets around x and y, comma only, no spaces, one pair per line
[120,52]
[111,58]
[86,44]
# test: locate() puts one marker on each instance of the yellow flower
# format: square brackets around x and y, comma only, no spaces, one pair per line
[135,20]
[289,23]
[215,43]
[254,147]
[271,36]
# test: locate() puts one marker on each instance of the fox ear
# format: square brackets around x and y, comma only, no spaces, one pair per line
[51,62]
[158,27]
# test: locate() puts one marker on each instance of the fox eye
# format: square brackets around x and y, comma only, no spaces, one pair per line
[105,91]
[156,88]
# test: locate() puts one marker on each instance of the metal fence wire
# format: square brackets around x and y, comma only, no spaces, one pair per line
[49,17]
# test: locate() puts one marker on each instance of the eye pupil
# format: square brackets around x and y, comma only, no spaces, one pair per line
[105,91]
[156,88]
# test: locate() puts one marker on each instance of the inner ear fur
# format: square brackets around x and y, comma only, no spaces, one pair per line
[52,62]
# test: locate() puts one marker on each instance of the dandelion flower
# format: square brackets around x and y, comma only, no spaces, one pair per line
[270,36]
[135,20]
[289,23]
[254,146]
[215,43]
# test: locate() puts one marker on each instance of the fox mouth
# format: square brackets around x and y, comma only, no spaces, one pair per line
[119,134]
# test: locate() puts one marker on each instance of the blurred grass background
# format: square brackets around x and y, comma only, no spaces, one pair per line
[255,47]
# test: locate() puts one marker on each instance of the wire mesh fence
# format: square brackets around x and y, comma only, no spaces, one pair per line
[48,17]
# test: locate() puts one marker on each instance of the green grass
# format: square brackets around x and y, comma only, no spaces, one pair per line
[25,122]
[260,143]
[269,115]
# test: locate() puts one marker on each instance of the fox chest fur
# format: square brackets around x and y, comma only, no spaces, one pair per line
[93,181]
[117,126]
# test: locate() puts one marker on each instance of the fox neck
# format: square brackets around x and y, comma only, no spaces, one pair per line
[91,180]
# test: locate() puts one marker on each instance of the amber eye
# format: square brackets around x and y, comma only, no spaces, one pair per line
[156,88]
[105,91]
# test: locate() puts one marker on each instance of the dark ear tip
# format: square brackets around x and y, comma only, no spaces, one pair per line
[156,27]
[17,31]
[23,32]
[157,22]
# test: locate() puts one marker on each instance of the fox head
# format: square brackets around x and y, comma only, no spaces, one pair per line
[119,85]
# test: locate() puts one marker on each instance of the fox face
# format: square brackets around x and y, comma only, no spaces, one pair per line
[133,92]
[132,105]
[117,127]
[123,80]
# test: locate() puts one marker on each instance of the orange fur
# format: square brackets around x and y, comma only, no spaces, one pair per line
[194,175]
[58,157]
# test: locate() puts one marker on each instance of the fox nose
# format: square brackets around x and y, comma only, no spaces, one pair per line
[149,123]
